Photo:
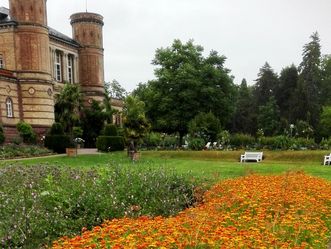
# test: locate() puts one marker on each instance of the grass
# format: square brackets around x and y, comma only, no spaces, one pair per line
[207,165]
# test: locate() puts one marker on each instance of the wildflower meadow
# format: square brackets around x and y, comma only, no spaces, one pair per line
[292,210]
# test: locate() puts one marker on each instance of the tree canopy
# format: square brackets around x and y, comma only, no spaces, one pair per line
[186,84]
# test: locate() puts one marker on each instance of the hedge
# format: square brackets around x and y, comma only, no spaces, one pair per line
[58,143]
[110,143]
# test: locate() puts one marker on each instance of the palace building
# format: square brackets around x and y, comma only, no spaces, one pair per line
[36,61]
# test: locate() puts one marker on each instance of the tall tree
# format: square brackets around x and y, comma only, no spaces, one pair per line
[244,118]
[326,80]
[285,92]
[187,83]
[266,84]
[310,80]
[115,90]
[68,105]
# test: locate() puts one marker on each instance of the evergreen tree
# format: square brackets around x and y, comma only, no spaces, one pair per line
[265,85]
[326,80]
[310,81]
[244,118]
[285,92]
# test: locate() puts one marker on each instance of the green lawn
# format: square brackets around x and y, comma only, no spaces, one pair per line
[208,165]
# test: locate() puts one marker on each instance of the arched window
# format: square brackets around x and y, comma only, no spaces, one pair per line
[9,108]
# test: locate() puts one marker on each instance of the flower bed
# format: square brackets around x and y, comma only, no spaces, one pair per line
[287,211]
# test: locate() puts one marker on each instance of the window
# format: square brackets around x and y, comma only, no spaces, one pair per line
[70,69]
[58,66]
[2,64]
[9,108]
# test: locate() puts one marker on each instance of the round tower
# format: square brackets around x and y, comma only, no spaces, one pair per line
[33,67]
[87,30]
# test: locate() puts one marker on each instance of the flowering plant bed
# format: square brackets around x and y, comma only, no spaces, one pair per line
[287,211]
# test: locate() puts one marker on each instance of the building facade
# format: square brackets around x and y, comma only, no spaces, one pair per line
[36,61]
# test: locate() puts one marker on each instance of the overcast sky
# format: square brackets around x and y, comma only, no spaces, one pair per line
[247,32]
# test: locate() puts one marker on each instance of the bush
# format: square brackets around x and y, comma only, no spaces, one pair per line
[300,143]
[58,143]
[242,140]
[47,202]
[196,144]
[77,132]
[2,135]
[26,132]
[110,130]
[56,129]
[153,140]
[9,151]
[277,142]
[110,143]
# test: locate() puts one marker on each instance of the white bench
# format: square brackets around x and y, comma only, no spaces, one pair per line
[327,159]
[254,156]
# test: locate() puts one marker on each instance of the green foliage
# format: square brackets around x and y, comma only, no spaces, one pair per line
[324,129]
[58,143]
[326,80]
[186,84]
[26,132]
[205,126]
[56,129]
[244,118]
[110,130]
[2,135]
[10,151]
[240,140]
[77,131]
[196,143]
[47,202]
[92,122]
[135,124]
[67,106]
[268,117]
[265,85]
[110,143]
[115,90]
[153,140]
[224,138]
[286,143]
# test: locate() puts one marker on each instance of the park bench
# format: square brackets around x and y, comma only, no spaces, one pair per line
[327,159]
[251,156]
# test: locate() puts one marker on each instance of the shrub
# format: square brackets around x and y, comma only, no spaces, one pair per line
[153,140]
[110,143]
[110,130]
[196,144]
[2,135]
[276,142]
[242,140]
[26,132]
[303,143]
[58,143]
[9,151]
[40,203]
[77,132]
[56,129]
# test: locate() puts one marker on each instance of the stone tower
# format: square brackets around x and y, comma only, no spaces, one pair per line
[87,30]
[31,40]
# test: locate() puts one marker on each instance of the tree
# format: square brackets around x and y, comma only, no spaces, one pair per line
[115,90]
[324,129]
[244,118]
[285,92]
[186,84]
[310,81]
[268,117]
[205,126]
[135,122]
[93,120]
[266,84]
[68,106]
[326,80]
